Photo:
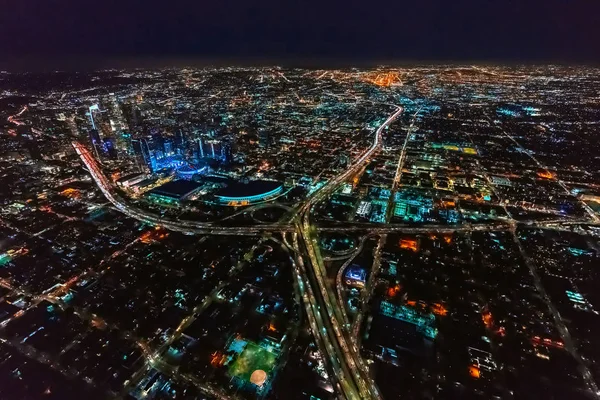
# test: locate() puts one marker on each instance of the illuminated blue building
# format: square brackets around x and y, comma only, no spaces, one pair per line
[96,141]
[168,162]
[91,110]
[240,193]
[356,275]
[142,154]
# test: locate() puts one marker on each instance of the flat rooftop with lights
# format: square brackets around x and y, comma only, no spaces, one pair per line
[175,190]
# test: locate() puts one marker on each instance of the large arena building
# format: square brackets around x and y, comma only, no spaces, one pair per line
[241,193]
[174,191]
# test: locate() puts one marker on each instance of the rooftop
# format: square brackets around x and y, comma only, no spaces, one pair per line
[176,189]
[250,189]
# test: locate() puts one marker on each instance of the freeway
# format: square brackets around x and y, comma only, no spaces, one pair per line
[375,228]
[13,118]
[320,326]
[351,360]
[347,365]
[187,227]
[194,227]
[496,225]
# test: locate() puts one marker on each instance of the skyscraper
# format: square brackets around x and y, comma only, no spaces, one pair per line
[118,125]
[168,146]
[226,153]
[158,141]
[180,142]
[142,154]
[91,114]
[96,142]
[110,149]
[126,137]
[200,148]
[210,149]
[132,116]
[99,122]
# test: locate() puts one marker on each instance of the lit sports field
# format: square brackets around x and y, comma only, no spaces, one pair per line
[252,358]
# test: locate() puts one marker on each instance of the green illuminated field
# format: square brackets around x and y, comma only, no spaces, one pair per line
[252,358]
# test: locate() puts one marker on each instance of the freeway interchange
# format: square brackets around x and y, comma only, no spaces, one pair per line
[345,361]
[358,383]
[335,337]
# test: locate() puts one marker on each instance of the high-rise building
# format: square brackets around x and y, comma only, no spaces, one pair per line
[109,147]
[96,142]
[226,152]
[99,122]
[95,137]
[115,114]
[143,155]
[118,124]
[180,142]
[91,115]
[158,141]
[33,148]
[200,148]
[126,137]
[168,146]
[210,149]
[214,149]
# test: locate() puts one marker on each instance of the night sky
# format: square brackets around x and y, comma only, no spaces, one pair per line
[354,32]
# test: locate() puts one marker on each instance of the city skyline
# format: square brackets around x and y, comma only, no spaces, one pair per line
[427,231]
